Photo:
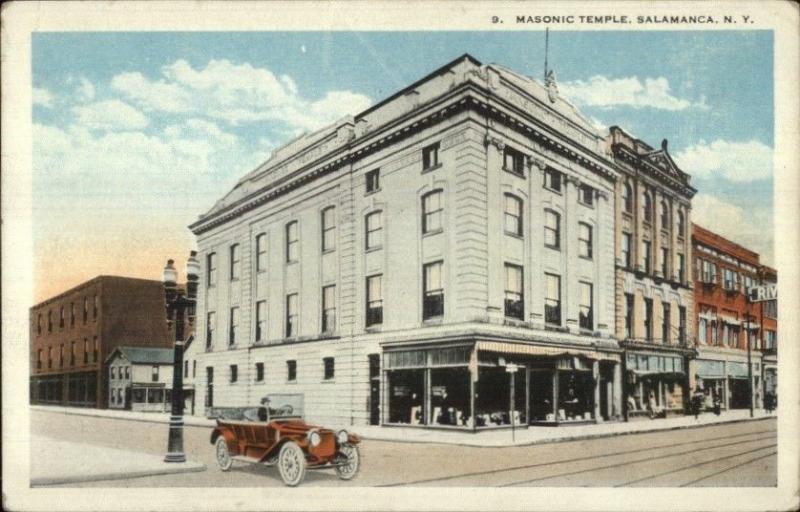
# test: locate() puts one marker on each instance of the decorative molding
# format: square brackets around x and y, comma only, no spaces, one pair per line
[494,141]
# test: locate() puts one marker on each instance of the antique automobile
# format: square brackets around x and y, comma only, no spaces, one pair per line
[275,434]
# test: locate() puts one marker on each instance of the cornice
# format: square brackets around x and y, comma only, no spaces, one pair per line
[652,171]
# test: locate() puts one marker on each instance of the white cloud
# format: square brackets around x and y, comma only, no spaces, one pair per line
[109,115]
[85,90]
[42,97]
[236,93]
[604,92]
[750,227]
[735,161]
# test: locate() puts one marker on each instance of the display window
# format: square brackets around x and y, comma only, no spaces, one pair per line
[493,397]
[450,396]
[406,396]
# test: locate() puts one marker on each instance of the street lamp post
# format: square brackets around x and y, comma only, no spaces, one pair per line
[180,306]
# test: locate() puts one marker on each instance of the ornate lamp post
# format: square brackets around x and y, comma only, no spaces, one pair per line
[180,307]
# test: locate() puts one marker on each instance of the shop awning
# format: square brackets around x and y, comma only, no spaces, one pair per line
[737,370]
[707,369]
[540,350]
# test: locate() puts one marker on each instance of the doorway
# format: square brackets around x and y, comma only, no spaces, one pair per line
[374,389]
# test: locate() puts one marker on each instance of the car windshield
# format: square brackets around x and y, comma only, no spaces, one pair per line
[284,405]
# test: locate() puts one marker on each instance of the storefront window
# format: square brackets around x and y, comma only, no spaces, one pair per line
[575,395]
[155,396]
[493,393]
[406,396]
[138,395]
[450,396]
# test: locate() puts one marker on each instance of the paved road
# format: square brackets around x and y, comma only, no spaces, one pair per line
[739,454]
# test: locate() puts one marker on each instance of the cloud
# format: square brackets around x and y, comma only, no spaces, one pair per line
[749,226]
[734,161]
[604,92]
[109,115]
[85,90]
[42,97]
[236,94]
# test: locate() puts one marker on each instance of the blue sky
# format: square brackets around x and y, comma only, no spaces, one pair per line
[146,130]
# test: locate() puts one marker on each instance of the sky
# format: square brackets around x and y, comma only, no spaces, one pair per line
[136,134]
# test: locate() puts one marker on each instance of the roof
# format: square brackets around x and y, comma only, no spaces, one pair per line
[145,355]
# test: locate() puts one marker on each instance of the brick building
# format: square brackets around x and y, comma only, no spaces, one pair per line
[768,333]
[389,267]
[725,319]
[72,334]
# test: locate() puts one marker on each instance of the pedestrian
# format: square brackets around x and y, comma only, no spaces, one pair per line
[769,402]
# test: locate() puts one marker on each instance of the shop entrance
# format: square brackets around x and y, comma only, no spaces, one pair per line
[740,393]
[374,389]
[562,391]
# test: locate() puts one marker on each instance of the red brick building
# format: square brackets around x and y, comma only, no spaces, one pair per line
[72,334]
[725,318]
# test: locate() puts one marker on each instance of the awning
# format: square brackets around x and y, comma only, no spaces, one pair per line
[707,369]
[737,370]
[729,320]
[708,316]
[539,350]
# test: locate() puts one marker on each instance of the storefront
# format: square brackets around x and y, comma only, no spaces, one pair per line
[728,381]
[656,384]
[710,379]
[149,398]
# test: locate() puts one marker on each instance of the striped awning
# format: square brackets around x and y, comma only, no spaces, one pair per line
[528,349]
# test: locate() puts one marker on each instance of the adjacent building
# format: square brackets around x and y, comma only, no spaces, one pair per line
[445,258]
[768,333]
[72,333]
[654,301]
[140,378]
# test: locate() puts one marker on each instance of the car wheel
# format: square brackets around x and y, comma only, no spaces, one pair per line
[292,464]
[349,469]
[223,455]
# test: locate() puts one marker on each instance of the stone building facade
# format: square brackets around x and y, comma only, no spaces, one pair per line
[396,267]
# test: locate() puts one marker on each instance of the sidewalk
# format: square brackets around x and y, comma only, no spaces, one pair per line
[67,462]
[522,436]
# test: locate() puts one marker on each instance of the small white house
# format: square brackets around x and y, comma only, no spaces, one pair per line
[140,378]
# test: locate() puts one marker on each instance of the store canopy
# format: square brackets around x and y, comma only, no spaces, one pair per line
[737,370]
[539,350]
[710,369]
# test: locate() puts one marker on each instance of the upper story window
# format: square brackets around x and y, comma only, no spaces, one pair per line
[292,242]
[665,262]
[328,221]
[71,314]
[647,207]
[626,249]
[373,226]
[61,317]
[49,357]
[730,279]
[85,351]
[234,326]
[235,262]
[432,212]
[328,368]
[514,298]
[72,353]
[261,252]
[85,309]
[96,350]
[681,268]
[706,271]
[584,240]
[95,306]
[629,315]
[586,195]
[261,320]
[50,321]
[211,326]
[234,373]
[552,229]
[430,156]
[552,179]
[771,308]
[681,223]
[373,180]
[374,301]
[627,198]
[291,370]
[514,161]
[586,311]
[666,223]
[666,333]
[648,319]
[39,324]
[211,269]
[647,256]
[328,308]
[259,372]
[154,374]
[513,215]
[39,359]
[433,295]
[552,299]
[291,315]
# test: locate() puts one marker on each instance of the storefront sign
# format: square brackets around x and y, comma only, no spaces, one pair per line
[738,370]
[764,292]
[708,369]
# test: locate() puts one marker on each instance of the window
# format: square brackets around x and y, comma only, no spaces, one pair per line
[39,324]
[291,315]
[513,161]
[211,326]
[374,301]
[771,340]
[586,195]
[584,240]
[646,253]
[648,319]
[154,374]
[235,264]
[708,271]
[373,179]
[681,223]
[373,226]
[328,228]
[234,326]
[629,315]
[702,334]
[681,268]
[261,252]
[729,279]
[50,321]
[626,250]
[552,229]
[329,308]
[61,355]
[71,314]
[433,300]
[234,373]
[211,268]
[682,324]
[666,222]
[665,323]
[586,311]
[430,156]
[665,262]
[328,368]
[72,353]
[552,299]
[49,357]
[85,351]
[432,212]
[85,309]
[259,372]
[194,369]
[513,215]
[61,317]
[291,370]
[627,198]
[552,179]
[39,359]
[714,333]
[771,308]
[647,207]
[95,307]
[261,320]
[292,244]
[514,298]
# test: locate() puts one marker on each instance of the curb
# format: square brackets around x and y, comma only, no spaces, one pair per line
[192,467]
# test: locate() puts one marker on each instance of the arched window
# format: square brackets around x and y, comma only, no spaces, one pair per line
[513,215]
[665,220]
[647,207]
[681,223]
[627,197]
[432,211]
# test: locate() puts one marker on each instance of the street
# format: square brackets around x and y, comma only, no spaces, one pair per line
[736,454]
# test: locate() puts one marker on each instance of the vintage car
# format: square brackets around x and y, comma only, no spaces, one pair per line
[275,434]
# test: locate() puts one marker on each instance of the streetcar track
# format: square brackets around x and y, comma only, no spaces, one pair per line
[691,466]
[730,468]
[629,463]
[575,459]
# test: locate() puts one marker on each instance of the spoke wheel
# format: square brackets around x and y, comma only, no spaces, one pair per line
[349,469]
[292,464]
[223,455]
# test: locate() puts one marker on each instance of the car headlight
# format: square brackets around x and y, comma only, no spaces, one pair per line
[341,436]
[314,438]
